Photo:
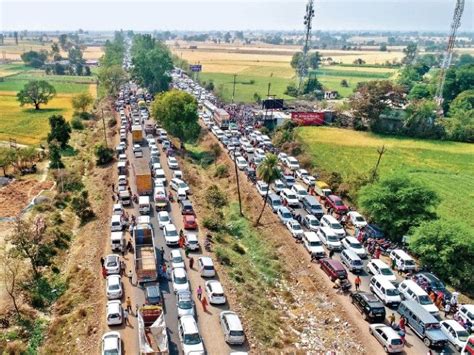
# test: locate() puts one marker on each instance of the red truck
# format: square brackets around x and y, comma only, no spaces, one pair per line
[335,202]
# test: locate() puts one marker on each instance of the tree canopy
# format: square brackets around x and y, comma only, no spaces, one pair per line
[81,102]
[60,130]
[36,92]
[34,59]
[397,204]
[112,77]
[446,248]
[152,63]
[176,111]
[420,120]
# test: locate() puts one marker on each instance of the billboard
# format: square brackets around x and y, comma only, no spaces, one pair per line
[272,104]
[308,118]
[195,67]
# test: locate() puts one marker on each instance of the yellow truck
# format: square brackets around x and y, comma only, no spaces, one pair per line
[142,177]
[137,134]
[322,189]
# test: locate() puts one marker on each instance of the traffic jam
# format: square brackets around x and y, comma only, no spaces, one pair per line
[161,284]
[403,305]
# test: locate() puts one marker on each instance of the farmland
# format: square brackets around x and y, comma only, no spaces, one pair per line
[256,66]
[26,125]
[445,167]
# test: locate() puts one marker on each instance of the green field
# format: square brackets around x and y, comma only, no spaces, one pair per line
[330,77]
[26,125]
[445,167]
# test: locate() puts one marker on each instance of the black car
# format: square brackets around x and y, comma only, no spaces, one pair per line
[427,281]
[372,309]
[186,207]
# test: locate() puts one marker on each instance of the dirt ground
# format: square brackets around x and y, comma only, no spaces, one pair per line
[15,196]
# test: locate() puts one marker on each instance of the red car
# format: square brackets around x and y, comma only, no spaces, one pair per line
[189,222]
[336,204]
[334,269]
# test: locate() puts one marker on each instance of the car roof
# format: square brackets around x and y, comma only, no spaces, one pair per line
[175,252]
[469,307]
[116,217]
[391,333]
[352,240]
[189,217]
[170,227]
[189,324]
[184,294]
[334,263]
[311,236]
[330,218]
[192,236]
[113,279]
[163,213]
[216,286]
[179,271]
[310,216]
[334,197]
[113,306]
[205,260]
[110,340]
[369,297]
[454,324]
[232,320]
[379,263]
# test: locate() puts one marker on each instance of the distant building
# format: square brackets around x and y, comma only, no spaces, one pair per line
[92,62]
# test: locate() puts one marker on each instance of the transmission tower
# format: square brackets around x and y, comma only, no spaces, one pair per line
[448,54]
[308,19]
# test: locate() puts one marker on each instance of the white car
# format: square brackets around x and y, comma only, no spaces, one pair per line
[113,287]
[122,157]
[262,188]
[311,222]
[117,209]
[176,259]
[389,338]
[179,279]
[292,163]
[282,157]
[172,163]
[309,180]
[171,234]
[232,329]
[156,166]
[278,186]
[356,219]
[333,224]
[163,218]
[290,198]
[353,244]
[295,228]
[206,267]
[301,173]
[241,163]
[329,239]
[177,184]
[378,268]
[215,292]
[466,312]
[284,214]
[188,332]
[455,333]
[122,180]
[299,191]
[313,245]
[111,344]
[184,303]
[178,174]
[114,312]
[112,264]
[150,141]
[137,148]
[154,150]
[191,241]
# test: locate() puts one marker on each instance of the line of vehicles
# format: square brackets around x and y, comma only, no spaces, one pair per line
[306,207]
[155,193]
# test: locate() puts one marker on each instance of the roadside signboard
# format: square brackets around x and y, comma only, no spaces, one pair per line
[308,118]
[195,67]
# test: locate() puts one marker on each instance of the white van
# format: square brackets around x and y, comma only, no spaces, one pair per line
[352,260]
[403,261]
[117,241]
[378,268]
[116,223]
[206,266]
[410,290]
[300,191]
[159,174]
[144,204]
[385,290]
[290,198]
[333,224]
[232,328]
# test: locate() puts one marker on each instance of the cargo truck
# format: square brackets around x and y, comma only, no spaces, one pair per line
[137,134]
[145,254]
[150,127]
[222,118]
[322,189]
[152,334]
[142,177]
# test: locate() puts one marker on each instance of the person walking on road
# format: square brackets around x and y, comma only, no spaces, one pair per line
[125,317]
[191,262]
[401,323]
[128,303]
[199,292]
[104,272]
[391,319]
[186,251]
[102,261]
[204,304]
[357,282]
[331,253]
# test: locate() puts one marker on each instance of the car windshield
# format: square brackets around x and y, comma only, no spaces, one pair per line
[338,203]
[336,226]
[357,262]
[111,262]
[314,222]
[296,227]
[409,262]
[185,304]
[438,285]
[463,335]
[236,333]
[396,341]
[291,197]
[114,287]
[182,185]
[192,339]
[164,218]
[180,280]
[315,244]
[263,187]
[392,292]
[386,271]
[111,352]
[333,238]
[171,233]
[356,245]
[359,219]
[302,192]
[177,259]
[424,300]
[286,215]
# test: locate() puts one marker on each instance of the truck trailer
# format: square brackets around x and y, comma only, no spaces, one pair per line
[137,134]
[145,254]
[142,177]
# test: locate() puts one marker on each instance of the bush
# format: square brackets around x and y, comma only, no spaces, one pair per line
[111,122]
[214,223]
[67,181]
[222,171]
[104,154]
[81,206]
[76,123]
[239,249]
[222,257]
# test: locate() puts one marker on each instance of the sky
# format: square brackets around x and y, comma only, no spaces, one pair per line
[202,15]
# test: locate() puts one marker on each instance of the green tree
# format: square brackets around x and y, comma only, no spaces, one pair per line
[82,207]
[344,83]
[460,123]
[55,161]
[82,102]
[103,154]
[8,157]
[176,111]
[55,51]
[34,59]
[397,204]
[410,53]
[312,85]
[215,198]
[112,77]
[408,77]
[383,47]
[359,61]
[296,59]
[420,120]
[268,172]
[464,101]
[36,92]
[60,130]
[419,91]
[63,42]
[465,59]
[446,248]
[314,60]
[458,79]
[75,55]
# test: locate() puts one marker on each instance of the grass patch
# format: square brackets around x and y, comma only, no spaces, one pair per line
[445,167]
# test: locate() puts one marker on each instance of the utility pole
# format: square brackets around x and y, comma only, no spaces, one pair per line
[105,131]
[308,18]
[233,89]
[381,151]
[238,184]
